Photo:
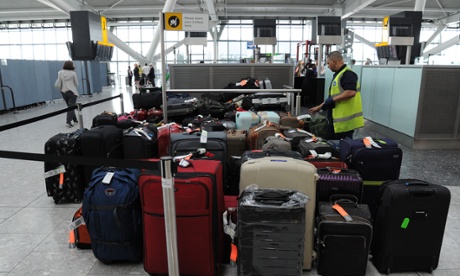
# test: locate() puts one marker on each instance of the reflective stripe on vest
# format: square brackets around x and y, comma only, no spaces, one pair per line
[348,114]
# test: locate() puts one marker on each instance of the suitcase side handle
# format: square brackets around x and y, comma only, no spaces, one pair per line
[415,182]
[420,193]
[344,198]
[273,197]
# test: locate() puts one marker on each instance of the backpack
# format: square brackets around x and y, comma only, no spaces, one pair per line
[112,212]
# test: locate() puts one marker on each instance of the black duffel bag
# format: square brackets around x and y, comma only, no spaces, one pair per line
[147,100]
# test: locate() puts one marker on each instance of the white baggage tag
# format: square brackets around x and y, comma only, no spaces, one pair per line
[204,137]
[107,178]
[76,223]
[166,183]
[314,153]
[58,170]
[309,140]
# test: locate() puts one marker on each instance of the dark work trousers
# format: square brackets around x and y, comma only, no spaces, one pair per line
[340,135]
[71,100]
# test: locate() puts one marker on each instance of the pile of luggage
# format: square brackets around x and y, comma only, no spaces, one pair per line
[289,195]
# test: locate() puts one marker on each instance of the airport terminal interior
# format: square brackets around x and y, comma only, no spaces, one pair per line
[407,62]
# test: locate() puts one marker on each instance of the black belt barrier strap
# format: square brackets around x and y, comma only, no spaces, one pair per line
[100,101]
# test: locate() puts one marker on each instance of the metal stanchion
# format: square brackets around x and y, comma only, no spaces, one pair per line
[80,115]
[121,103]
[169,206]
[298,100]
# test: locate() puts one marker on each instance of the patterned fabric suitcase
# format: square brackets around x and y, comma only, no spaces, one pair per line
[286,173]
[199,208]
[409,226]
[265,216]
[333,181]
[73,184]
[343,245]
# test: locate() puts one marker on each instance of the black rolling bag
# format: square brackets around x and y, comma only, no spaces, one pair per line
[147,100]
[140,142]
[409,226]
[343,243]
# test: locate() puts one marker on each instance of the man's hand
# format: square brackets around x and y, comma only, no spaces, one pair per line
[315,109]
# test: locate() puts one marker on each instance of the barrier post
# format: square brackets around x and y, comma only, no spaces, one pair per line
[80,115]
[169,206]
[121,103]
[298,100]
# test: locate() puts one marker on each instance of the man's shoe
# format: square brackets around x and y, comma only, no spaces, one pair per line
[69,125]
[76,121]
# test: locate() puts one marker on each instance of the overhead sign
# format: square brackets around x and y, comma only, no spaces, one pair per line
[250,45]
[175,21]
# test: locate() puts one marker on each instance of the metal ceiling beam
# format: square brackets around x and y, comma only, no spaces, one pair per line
[169,50]
[440,28]
[125,48]
[365,41]
[64,6]
[211,10]
[351,7]
[441,47]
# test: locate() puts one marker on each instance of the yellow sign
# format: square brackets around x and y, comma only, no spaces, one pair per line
[385,29]
[173,21]
[105,38]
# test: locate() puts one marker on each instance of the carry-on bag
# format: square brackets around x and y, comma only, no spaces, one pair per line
[112,212]
[318,124]
[271,231]
[147,100]
[285,173]
[333,181]
[215,144]
[409,226]
[103,141]
[380,160]
[257,134]
[312,146]
[246,119]
[277,143]
[105,118]
[270,101]
[164,137]
[295,135]
[68,183]
[180,107]
[140,142]
[199,208]
[344,235]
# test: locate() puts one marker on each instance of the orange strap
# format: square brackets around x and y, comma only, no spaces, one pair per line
[71,239]
[234,253]
[367,143]
[342,212]
[61,180]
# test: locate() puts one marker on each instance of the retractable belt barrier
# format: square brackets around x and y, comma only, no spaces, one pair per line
[79,160]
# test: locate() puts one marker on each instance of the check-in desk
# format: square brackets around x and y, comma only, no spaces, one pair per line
[418,106]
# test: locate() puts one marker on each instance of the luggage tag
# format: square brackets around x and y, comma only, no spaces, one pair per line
[204,137]
[76,223]
[107,178]
[58,170]
[342,212]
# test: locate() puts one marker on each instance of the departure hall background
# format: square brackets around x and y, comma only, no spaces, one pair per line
[418,104]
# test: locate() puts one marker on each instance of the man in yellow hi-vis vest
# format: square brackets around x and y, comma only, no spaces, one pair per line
[344,104]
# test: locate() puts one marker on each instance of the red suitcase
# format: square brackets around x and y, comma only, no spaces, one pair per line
[164,137]
[327,163]
[199,208]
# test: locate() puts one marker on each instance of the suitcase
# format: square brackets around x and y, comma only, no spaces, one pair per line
[318,124]
[257,134]
[269,101]
[105,118]
[147,100]
[112,212]
[246,119]
[74,184]
[295,135]
[185,143]
[285,173]
[277,143]
[324,163]
[270,116]
[265,216]
[199,208]
[318,145]
[409,226]
[179,107]
[343,246]
[287,121]
[102,141]
[164,137]
[140,142]
[265,84]
[333,181]
[80,231]
[372,163]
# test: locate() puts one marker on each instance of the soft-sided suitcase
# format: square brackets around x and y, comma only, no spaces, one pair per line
[270,101]
[73,184]
[147,100]
[140,142]
[105,118]
[102,141]
[112,212]
[270,116]
[318,124]
[246,119]
[80,231]
[343,245]
[285,173]
[409,226]
[271,232]
[333,181]
[277,143]
[257,134]
[373,163]
[324,163]
[319,146]
[199,208]
[294,135]
[185,143]
[164,137]
[179,107]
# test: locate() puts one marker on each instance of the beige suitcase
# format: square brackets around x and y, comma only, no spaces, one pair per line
[286,173]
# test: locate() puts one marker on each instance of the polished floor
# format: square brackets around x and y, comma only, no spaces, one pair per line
[34,233]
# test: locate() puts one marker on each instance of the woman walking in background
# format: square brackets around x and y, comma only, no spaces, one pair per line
[69,83]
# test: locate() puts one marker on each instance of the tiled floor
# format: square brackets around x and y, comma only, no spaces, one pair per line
[33,230]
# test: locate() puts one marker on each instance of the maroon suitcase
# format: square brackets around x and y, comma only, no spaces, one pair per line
[199,208]
[164,137]
[327,163]
[334,181]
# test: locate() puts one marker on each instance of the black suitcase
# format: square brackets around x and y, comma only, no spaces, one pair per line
[333,181]
[343,246]
[147,100]
[270,101]
[295,135]
[409,226]
[73,186]
[318,145]
[185,143]
[102,141]
[180,107]
[271,232]
[372,163]
[105,118]
[140,142]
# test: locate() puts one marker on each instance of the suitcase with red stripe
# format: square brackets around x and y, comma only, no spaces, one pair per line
[199,203]
[164,137]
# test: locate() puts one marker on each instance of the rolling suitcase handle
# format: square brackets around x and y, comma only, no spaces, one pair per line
[346,198]
[273,197]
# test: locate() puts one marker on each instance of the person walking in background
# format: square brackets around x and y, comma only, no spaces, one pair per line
[309,86]
[137,75]
[130,76]
[151,75]
[344,105]
[69,84]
